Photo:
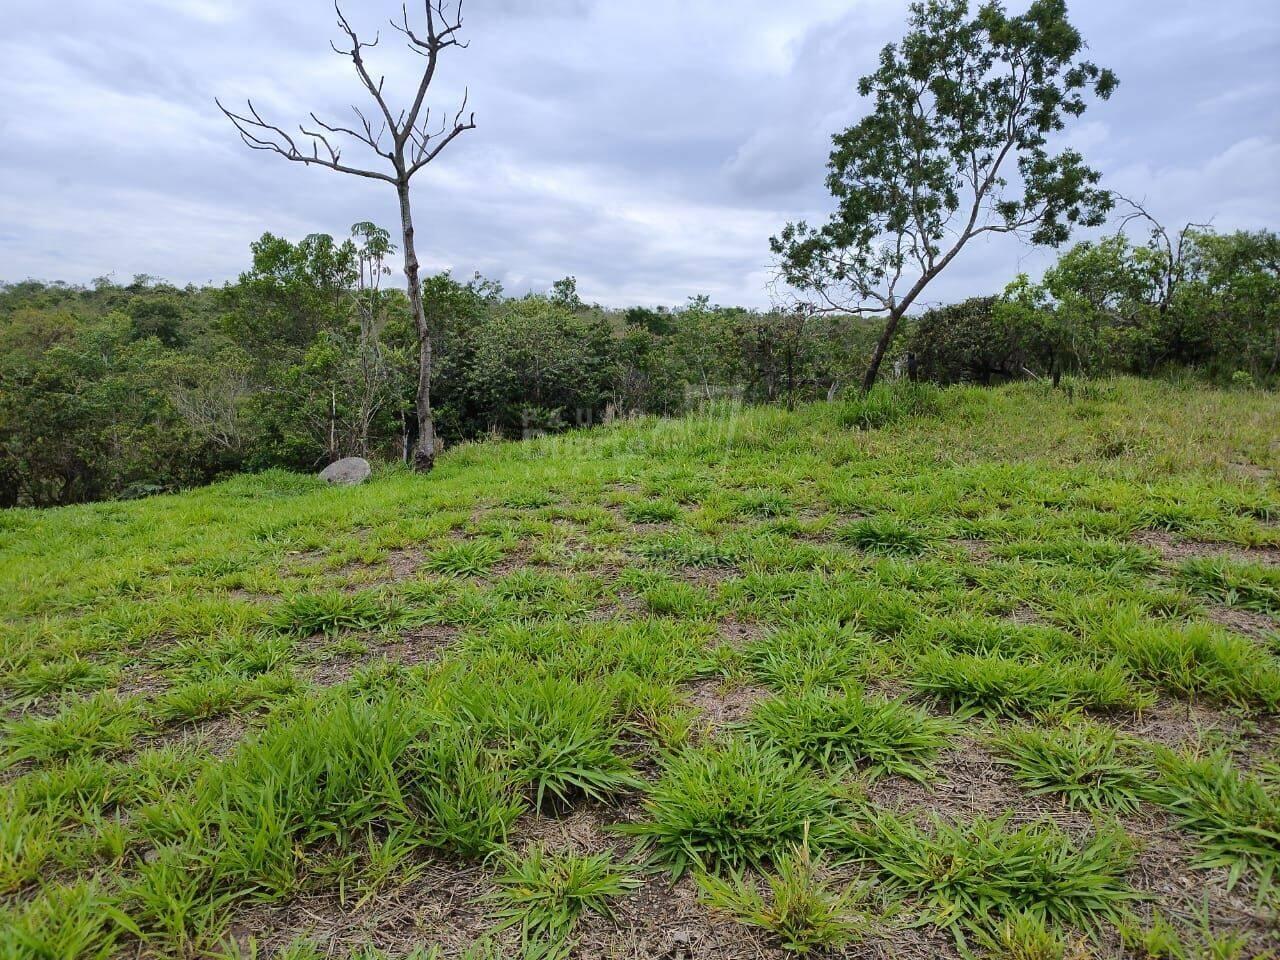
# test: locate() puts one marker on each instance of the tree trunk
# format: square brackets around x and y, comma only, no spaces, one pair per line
[424,453]
[882,347]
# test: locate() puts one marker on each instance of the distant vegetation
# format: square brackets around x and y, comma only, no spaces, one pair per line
[125,389]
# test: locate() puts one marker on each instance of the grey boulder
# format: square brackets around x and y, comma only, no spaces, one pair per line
[347,471]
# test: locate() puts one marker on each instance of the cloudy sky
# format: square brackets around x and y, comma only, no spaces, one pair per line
[647,148]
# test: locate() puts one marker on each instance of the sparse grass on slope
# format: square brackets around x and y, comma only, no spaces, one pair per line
[708,635]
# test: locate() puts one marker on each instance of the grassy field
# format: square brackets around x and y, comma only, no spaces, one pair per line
[939,673]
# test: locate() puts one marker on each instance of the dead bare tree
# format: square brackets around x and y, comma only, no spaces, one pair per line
[1169,249]
[411,142]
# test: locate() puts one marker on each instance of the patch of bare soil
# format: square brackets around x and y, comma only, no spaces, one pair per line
[738,633]
[1164,868]
[978,550]
[136,683]
[441,903]
[1173,550]
[1178,723]
[1251,470]
[708,576]
[421,645]
[405,563]
[723,703]
[1026,616]
[968,782]
[666,921]
[425,644]
[1248,622]
[217,736]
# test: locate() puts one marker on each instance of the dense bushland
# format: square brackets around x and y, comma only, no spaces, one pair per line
[125,389]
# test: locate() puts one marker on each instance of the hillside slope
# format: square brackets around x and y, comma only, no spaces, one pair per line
[1003,662]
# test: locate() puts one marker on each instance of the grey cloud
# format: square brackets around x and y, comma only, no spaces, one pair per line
[649,149]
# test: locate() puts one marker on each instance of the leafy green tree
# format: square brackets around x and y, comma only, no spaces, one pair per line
[706,337]
[955,147]
[538,365]
[291,293]
[565,293]
[1226,313]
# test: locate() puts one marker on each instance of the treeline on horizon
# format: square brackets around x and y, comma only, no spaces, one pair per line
[121,390]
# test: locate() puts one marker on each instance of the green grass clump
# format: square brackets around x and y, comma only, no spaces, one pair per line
[822,653]
[27,838]
[889,403]
[545,654]
[59,676]
[101,724]
[687,549]
[62,921]
[1088,765]
[1027,936]
[215,696]
[332,611]
[1000,686]
[801,908]
[331,772]
[763,503]
[1198,661]
[975,877]
[839,731]
[1160,939]
[560,736]
[1234,816]
[465,558]
[1100,556]
[1250,586]
[732,805]
[545,894]
[885,535]
[684,601]
[651,511]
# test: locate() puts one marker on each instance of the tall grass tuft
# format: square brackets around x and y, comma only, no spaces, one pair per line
[975,877]
[850,729]
[890,403]
[800,908]
[729,806]
[1088,765]
[1234,815]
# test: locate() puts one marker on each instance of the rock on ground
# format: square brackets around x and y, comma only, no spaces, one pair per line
[347,471]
